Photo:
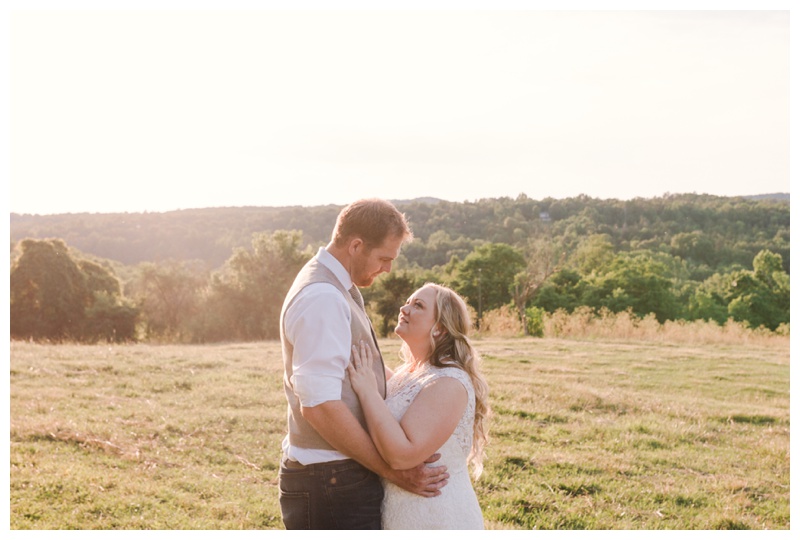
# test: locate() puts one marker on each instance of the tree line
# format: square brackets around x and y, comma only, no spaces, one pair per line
[712,233]
[572,260]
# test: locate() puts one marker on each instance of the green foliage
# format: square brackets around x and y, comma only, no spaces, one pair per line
[593,252]
[485,275]
[241,302]
[564,290]
[734,228]
[209,235]
[167,295]
[49,295]
[708,304]
[637,281]
[694,247]
[543,258]
[760,297]
[110,318]
[534,318]
[99,279]
[57,297]
[387,295]
[678,257]
[439,249]
[245,298]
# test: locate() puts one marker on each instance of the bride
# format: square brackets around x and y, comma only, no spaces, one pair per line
[436,402]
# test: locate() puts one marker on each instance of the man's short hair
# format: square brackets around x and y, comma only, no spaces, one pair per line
[372,220]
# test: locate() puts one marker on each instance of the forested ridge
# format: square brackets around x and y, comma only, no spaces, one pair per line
[734,229]
[220,274]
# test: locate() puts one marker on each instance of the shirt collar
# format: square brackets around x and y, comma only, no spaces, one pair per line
[333,264]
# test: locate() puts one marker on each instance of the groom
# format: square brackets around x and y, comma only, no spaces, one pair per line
[330,470]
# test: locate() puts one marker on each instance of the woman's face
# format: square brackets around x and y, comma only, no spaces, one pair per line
[418,316]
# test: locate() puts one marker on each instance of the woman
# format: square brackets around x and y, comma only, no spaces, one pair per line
[436,402]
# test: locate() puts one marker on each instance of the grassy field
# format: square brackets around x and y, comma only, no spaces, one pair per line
[585,435]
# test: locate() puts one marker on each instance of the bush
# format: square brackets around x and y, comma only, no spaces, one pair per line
[534,320]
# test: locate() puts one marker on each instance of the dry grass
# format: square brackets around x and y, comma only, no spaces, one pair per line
[590,434]
[583,324]
[501,322]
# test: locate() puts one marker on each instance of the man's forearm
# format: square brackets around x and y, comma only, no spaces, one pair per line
[337,425]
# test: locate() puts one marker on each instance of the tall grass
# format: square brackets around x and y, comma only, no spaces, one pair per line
[591,434]
[585,323]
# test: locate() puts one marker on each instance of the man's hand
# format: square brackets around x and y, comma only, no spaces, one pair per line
[422,480]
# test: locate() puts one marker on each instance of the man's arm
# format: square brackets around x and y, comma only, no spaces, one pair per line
[337,425]
[318,324]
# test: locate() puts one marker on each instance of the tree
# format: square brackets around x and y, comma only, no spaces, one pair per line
[761,297]
[49,295]
[593,252]
[245,299]
[708,300]
[109,317]
[696,247]
[768,269]
[55,296]
[387,295]
[721,231]
[168,296]
[564,290]
[485,275]
[544,258]
[638,281]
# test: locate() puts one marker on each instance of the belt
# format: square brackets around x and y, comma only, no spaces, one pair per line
[292,464]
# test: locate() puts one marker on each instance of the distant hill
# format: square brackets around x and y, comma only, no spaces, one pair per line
[769,196]
[420,200]
[736,228]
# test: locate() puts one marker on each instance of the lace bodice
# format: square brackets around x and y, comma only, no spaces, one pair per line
[404,386]
[457,507]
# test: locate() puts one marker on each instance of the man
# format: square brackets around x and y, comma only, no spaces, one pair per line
[329,477]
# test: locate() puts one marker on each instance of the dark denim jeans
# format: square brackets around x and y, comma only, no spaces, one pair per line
[336,495]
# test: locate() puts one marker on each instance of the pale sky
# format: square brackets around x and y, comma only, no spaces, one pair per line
[155,110]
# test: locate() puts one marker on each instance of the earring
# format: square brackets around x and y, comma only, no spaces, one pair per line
[435,334]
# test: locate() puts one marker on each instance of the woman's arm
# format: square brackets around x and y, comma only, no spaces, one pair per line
[425,427]
[337,425]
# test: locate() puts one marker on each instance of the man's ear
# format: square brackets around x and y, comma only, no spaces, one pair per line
[355,246]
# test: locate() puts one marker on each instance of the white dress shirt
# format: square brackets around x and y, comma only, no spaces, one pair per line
[318,326]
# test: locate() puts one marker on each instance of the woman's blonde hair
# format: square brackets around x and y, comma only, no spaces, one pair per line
[453,346]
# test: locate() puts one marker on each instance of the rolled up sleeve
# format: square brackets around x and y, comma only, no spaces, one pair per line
[318,326]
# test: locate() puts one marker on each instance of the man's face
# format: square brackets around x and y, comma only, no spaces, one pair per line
[369,264]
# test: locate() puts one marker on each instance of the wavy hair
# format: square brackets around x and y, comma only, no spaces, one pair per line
[454,346]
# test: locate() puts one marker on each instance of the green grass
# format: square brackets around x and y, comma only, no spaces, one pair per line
[585,435]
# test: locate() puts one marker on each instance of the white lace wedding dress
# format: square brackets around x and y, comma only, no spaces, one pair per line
[457,507]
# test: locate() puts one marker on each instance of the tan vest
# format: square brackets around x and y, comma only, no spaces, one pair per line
[301,434]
